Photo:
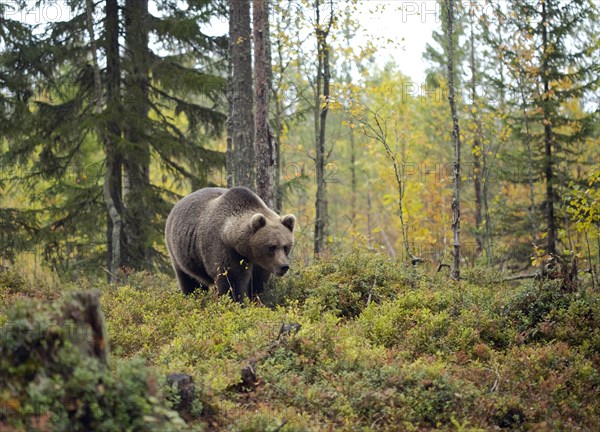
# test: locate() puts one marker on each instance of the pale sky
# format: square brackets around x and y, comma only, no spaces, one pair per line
[408,23]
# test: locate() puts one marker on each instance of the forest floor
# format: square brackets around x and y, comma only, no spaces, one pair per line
[355,342]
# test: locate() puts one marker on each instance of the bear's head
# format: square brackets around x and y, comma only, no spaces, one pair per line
[271,241]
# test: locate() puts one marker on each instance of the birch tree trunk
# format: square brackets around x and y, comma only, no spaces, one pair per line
[109,132]
[455,142]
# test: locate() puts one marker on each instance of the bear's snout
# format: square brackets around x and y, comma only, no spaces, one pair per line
[283,270]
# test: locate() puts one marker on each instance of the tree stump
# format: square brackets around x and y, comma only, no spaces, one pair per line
[84,310]
[184,391]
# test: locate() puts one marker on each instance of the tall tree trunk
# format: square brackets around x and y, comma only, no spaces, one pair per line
[353,175]
[241,150]
[278,122]
[346,67]
[456,144]
[137,154]
[229,157]
[476,148]
[266,155]
[112,179]
[369,211]
[321,110]
[530,169]
[548,161]
[89,9]
[278,126]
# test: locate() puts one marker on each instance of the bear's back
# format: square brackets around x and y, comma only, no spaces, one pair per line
[239,200]
[195,204]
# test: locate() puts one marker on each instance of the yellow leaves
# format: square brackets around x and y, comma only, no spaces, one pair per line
[12,405]
[538,261]
[584,205]
[335,105]
[295,175]
[539,255]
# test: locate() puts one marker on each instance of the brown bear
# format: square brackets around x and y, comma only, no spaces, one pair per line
[228,237]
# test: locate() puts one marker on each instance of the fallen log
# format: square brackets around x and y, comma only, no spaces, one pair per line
[520,277]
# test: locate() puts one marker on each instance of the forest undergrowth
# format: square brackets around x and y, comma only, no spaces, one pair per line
[352,342]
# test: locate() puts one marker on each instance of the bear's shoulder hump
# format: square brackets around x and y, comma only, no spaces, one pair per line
[241,196]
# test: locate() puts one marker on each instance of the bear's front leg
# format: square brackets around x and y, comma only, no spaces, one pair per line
[187,283]
[260,279]
[234,281]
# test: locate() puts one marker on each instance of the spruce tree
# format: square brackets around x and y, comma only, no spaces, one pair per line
[69,159]
[551,62]
[437,54]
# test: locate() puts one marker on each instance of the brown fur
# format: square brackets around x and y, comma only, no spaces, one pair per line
[228,237]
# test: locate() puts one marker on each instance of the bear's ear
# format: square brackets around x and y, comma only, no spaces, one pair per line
[289,221]
[258,221]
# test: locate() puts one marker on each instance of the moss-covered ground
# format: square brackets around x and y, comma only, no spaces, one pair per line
[379,347]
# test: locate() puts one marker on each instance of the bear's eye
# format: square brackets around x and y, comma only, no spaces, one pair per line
[286,249]
[272,249]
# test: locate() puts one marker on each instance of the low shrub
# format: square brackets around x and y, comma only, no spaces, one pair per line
[375,346]
[51,382]
[346,283]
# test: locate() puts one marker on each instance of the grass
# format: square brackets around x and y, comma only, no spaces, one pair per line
[379,347]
